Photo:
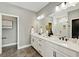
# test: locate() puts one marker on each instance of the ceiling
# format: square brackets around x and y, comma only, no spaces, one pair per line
[33,6]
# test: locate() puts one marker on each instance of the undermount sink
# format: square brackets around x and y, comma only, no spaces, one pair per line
[46,36]
[63,42]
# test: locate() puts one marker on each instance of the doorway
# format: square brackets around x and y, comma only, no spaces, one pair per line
[75,28]
[10,31]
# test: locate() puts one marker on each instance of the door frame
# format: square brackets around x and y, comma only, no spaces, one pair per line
[71,26]
[0,33]
[17,26]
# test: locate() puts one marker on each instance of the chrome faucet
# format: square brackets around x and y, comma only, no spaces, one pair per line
[63,38]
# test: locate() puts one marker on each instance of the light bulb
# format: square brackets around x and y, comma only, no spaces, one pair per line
[63,6]
[38,18]
[57,8]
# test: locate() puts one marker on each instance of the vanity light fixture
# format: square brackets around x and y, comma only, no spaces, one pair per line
[61,6]
[40,17]
[57,8]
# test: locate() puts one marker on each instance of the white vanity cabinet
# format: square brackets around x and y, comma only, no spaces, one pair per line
[42,46]
[48,48]
[52,50]
[36,44]
[45,48]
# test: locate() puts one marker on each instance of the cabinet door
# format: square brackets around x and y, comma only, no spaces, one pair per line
[32,40]
[42,47]
[59,54]
[46,49]
[35,43]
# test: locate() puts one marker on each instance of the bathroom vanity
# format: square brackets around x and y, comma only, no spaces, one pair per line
[53,47]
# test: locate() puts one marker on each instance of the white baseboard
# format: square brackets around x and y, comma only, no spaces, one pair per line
[9,44]
[24,46]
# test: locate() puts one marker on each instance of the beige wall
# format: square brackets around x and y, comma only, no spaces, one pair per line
[26,19]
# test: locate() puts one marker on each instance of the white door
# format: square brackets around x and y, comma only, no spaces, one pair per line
[0,33]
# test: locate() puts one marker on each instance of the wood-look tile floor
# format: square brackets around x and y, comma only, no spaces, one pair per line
[13,52]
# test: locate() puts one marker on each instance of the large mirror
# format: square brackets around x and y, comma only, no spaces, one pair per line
[64,23]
